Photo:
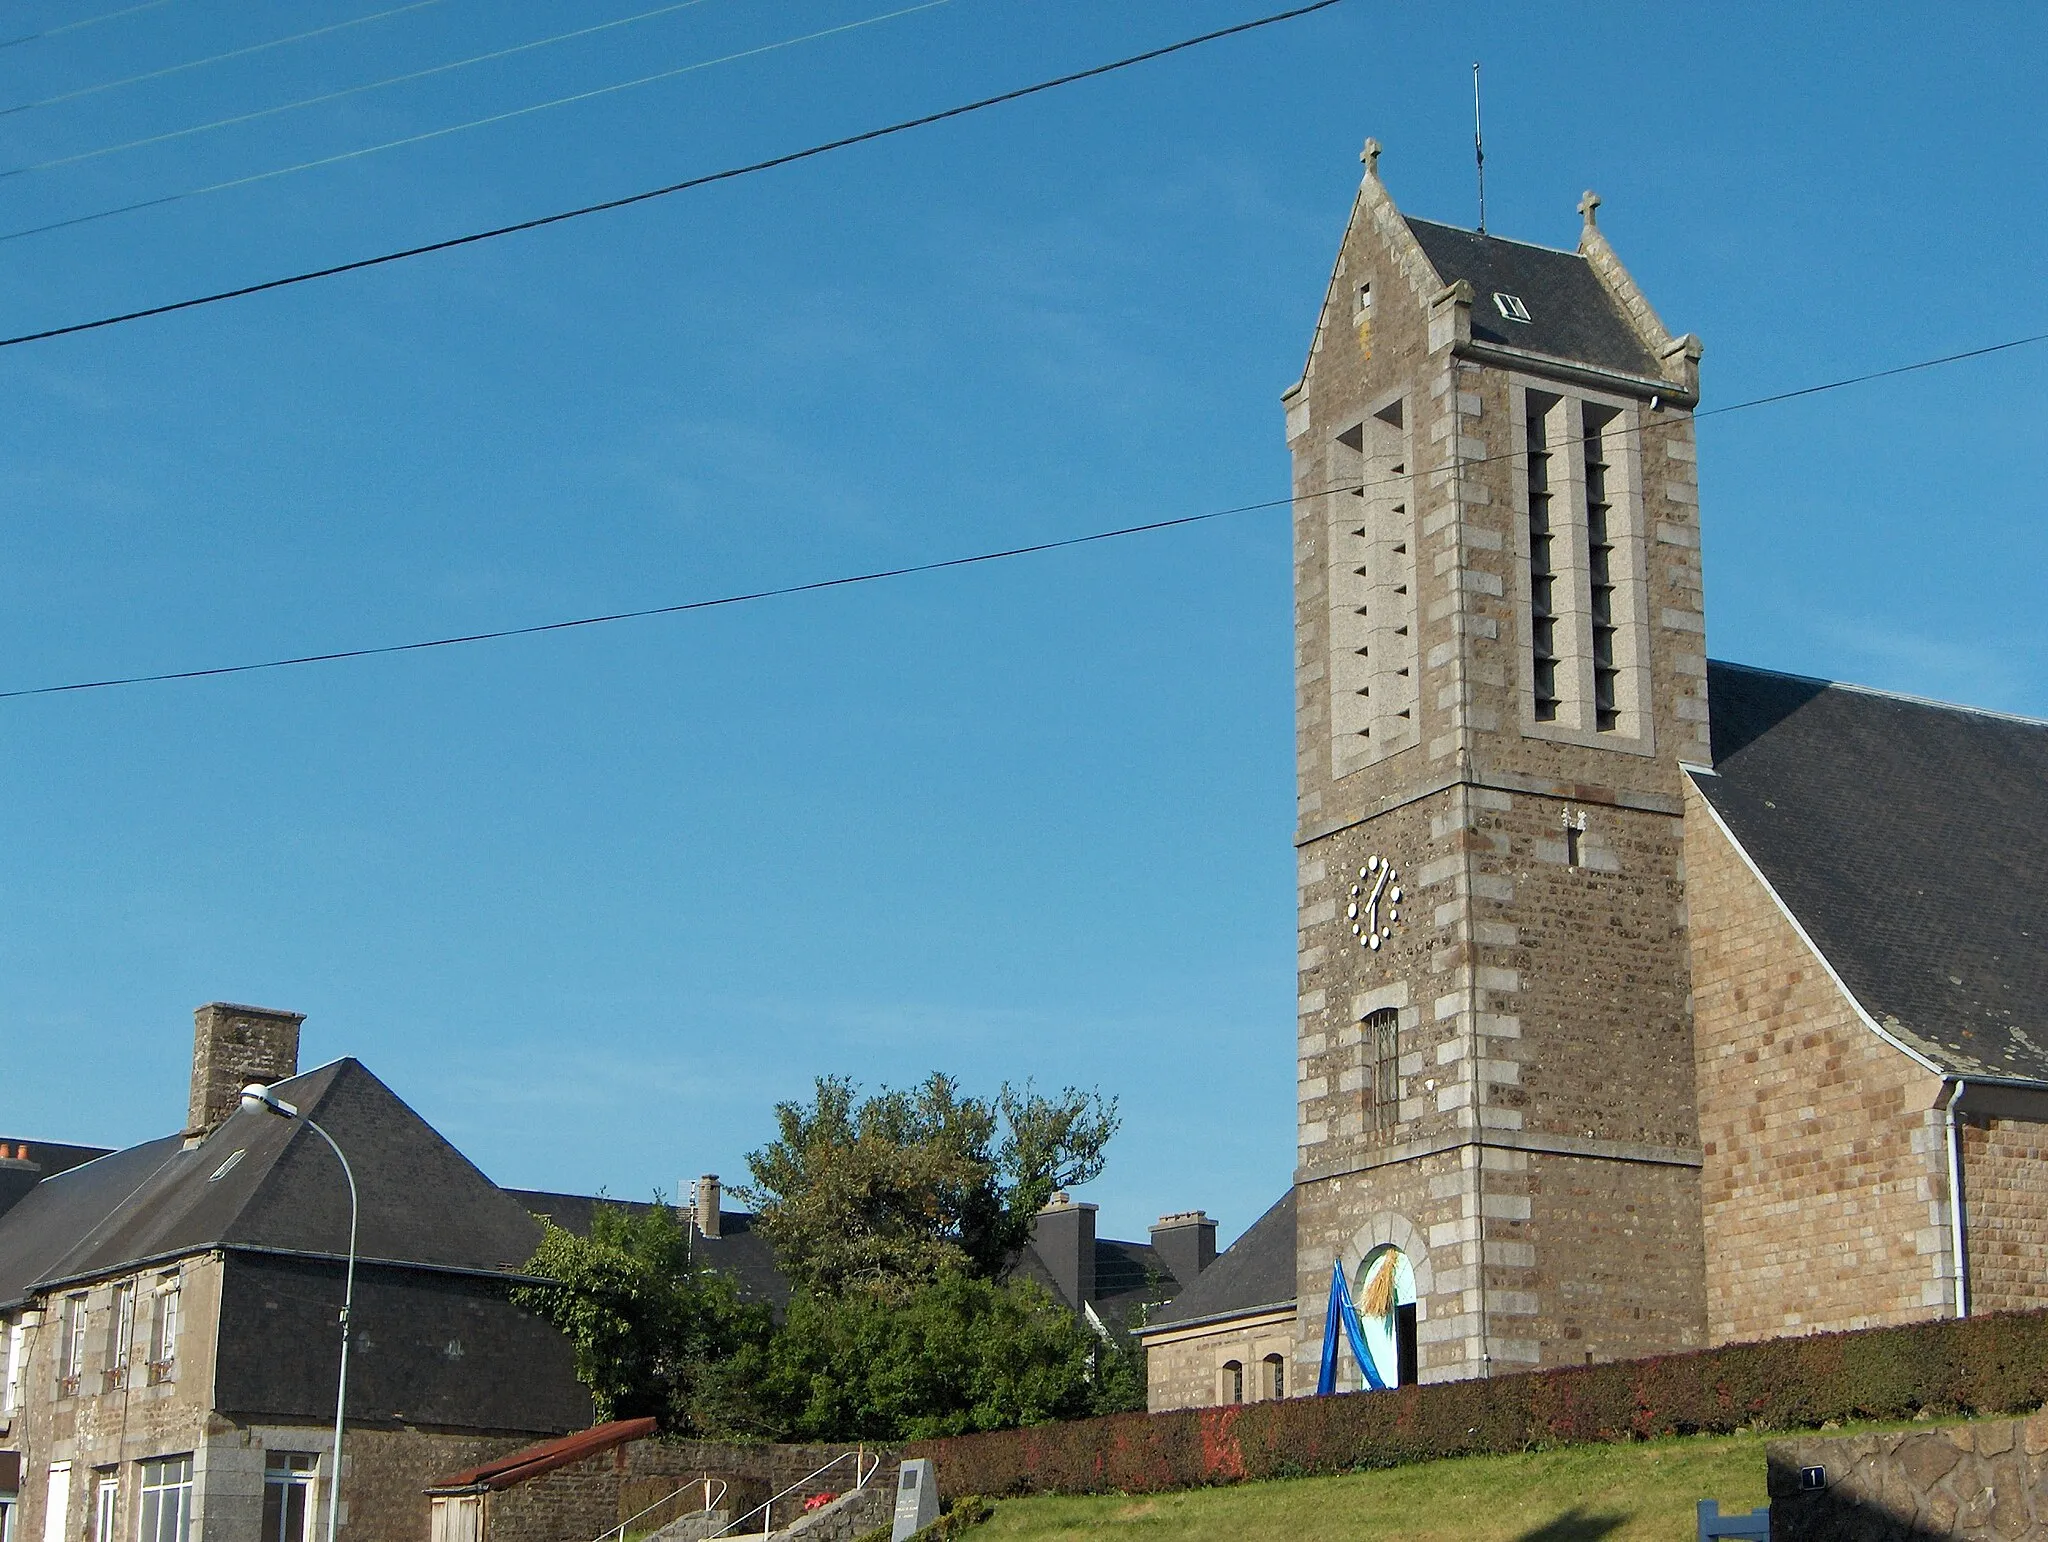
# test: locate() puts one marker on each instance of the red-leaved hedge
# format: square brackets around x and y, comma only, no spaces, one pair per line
[1983,1365]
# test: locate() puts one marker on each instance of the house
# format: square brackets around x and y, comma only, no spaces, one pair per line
[1644,1003]
[171,1315]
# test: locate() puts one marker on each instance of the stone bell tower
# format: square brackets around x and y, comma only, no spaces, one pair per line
[1500,667]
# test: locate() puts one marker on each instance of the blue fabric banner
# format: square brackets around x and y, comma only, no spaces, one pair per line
[1344,1313]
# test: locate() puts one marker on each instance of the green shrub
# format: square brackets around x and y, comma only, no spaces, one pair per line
[1983,1365]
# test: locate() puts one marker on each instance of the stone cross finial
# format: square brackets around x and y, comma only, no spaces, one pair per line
[1371,156]
[1588,203]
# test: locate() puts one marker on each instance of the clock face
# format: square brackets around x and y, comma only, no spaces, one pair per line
[1375,903]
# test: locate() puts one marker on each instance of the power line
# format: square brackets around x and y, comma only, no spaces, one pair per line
[609,204]
[73,26]
[347,91]
[233,53]
[977,559]
[457,128]
[721,601]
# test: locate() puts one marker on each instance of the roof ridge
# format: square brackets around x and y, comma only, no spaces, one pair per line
[1876,690]
[1487,235]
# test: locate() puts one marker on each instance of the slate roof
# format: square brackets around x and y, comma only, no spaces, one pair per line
[1128,1275]
[1571,315]
[1910,840]
[1254,1273]
[263,1183]
[740,1252]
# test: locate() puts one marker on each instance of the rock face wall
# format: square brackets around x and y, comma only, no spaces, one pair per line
[1984,1482]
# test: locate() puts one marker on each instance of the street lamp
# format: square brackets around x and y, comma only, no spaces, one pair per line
[257,1096]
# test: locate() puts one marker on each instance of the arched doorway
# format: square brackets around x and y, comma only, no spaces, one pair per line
[1384,1291]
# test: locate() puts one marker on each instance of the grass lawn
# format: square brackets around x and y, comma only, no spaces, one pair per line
[1626,1493]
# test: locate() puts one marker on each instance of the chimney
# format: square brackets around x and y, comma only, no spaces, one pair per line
[708,1199]
[231,1047]
[1063,1237]
[1185,1243]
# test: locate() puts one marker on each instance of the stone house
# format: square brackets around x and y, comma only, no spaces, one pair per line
[1645,1003]
[170,1316]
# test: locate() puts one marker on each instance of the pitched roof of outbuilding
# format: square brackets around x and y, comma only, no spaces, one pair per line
[1909,839]
[1255,1273]
[1571,314]
[267,1184]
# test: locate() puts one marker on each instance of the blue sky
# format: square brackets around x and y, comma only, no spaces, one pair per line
[592,903]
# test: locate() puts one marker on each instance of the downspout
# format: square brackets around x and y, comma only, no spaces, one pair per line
[1954,1091]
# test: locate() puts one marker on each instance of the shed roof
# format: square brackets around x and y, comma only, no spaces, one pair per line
[1909,839]
[524,1465]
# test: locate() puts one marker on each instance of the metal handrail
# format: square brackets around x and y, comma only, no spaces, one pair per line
[766,1507]
[710,1504]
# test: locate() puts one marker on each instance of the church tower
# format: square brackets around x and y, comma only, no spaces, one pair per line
[1500,669]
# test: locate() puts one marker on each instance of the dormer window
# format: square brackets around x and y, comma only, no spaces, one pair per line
[1511,307]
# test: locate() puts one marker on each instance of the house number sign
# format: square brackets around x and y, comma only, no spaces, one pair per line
[1375,903]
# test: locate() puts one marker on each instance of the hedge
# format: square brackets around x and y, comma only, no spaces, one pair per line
[1982,1365]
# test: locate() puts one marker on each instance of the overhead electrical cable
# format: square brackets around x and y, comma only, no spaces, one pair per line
[232,53]
[945,564]
[457,128]
[627,201]
[348,91]
[73,26]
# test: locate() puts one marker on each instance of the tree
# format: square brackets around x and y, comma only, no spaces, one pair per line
[653,1332]
[895,1190]
[946,1356]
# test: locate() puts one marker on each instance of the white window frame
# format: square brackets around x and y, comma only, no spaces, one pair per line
[162,1476]
[10,1388]
[280,1471]
[106,1507]
[120,1334]
[71,1344]
[163,1327]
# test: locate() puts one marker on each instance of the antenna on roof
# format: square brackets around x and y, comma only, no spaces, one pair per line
[1479,147]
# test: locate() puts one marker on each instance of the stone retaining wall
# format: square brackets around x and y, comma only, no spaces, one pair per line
[1982,1482]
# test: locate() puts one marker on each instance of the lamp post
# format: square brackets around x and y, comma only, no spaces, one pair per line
[256,1096]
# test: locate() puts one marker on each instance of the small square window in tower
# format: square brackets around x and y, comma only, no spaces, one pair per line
[1373,634]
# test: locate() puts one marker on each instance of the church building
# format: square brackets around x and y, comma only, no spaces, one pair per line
[1646,1003]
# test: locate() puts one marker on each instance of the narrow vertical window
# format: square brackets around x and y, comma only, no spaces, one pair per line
[70,1345]
[1380,1090]
[10,1390]
[120,1335]
[166,1500]
[163,1329]
[1600,565]
[1276,1376]
[106,1499]
[1233,1381]
[1542,569]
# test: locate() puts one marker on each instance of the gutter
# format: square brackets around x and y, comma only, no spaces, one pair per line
[1952,1096]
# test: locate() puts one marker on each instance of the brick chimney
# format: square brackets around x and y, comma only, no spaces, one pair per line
[709,1198]
[231,1047]
[1063,1236]
[1185,1243]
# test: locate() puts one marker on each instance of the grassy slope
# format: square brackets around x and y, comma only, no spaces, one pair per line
[1629,1493]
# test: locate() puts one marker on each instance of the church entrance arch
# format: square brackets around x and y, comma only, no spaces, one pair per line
[1384,1289]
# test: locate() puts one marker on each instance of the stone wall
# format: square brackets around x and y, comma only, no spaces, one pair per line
[1184,1369]
[583,1500]
[1825,1187]
[1984,1482]
[2005,1213]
